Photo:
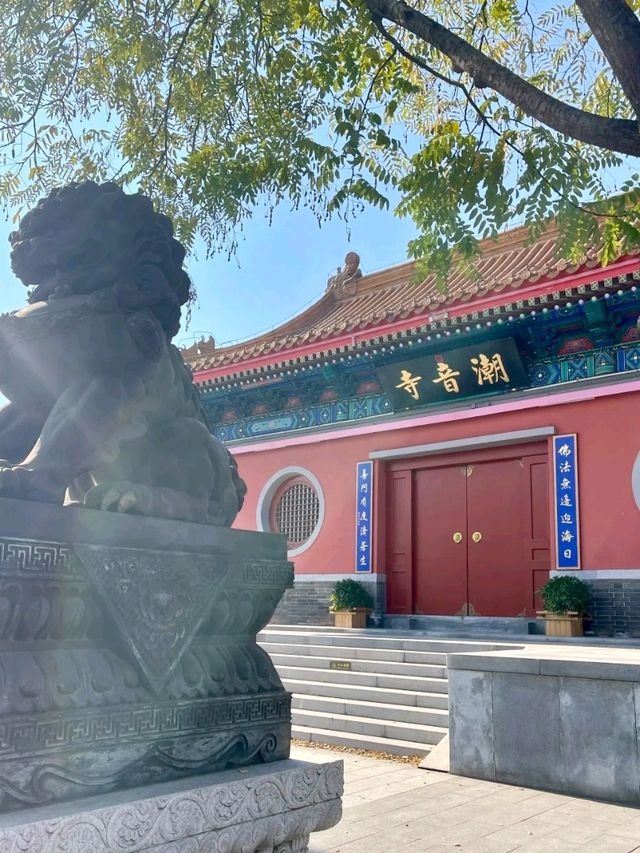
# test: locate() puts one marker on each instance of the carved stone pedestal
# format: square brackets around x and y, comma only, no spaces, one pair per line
[128,652]
[268,808]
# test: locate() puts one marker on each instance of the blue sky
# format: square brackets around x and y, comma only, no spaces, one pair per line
[278,269]
[282,267]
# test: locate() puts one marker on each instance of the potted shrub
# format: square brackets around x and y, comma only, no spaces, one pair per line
[350,603]
[565,601]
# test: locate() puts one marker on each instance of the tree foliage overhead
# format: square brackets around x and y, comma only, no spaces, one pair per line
[473,113]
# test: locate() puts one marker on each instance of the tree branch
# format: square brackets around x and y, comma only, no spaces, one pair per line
[617,31]
[611,134]
[412,57]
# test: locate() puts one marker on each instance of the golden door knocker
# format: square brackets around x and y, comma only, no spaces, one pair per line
[477,536]
[457,537]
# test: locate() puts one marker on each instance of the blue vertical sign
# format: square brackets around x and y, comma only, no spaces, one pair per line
[567,515]
[364,516]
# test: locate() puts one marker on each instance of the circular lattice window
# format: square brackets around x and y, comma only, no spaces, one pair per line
[292,503]
[295,510]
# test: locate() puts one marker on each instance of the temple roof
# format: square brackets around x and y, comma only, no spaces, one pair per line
[353,301]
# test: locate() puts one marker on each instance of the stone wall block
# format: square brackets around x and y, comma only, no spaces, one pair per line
[527,736]
[597,722]
[471,724]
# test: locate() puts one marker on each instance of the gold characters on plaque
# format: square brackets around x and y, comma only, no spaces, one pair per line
[489,370]
[409,383]
[447,376]
[454,376]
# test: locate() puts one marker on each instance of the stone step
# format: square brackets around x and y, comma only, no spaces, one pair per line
[392,699]
[368,726]
[312,629]
[283,626]
[437,714]
[369,639]
[368,694]
[355,741]
[361,665]
[475,628]
[419,657]
[505,629]
[362,679]
[370,653]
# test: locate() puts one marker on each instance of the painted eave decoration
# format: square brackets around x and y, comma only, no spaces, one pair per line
[553,323]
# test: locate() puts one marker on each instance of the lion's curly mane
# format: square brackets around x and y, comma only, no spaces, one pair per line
[89,237]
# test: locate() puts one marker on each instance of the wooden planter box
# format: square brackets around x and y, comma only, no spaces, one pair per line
[356,618]
[562,624]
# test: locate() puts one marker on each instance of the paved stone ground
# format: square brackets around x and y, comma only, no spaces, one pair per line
[396,808]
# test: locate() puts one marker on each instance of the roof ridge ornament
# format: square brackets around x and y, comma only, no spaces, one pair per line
[345,281]
[202,346]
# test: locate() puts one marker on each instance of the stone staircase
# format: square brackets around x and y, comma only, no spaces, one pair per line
[370,689]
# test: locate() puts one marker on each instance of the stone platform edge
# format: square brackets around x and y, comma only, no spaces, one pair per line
[268,808]
[559,718]
[599,662]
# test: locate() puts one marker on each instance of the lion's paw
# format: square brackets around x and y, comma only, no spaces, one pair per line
[120,496]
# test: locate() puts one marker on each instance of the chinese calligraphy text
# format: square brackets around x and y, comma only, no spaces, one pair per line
[409,383]
[487,368]
[567,522]
[447,376]
[364,495]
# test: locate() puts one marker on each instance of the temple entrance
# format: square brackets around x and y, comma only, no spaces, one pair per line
[470,535]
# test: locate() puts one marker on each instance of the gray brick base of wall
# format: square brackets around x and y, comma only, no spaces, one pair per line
[614,609]
[614,606]
[308,602]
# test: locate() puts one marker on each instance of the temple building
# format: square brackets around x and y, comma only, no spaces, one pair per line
[449,447]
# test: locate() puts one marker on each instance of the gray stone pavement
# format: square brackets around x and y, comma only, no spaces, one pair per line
[391,807]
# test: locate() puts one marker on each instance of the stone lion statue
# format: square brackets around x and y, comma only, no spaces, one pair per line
[102,410]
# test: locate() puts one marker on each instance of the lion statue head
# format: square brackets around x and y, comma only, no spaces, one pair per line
[88,238]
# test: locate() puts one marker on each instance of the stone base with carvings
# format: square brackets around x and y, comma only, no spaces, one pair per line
[128,652]
[271,809]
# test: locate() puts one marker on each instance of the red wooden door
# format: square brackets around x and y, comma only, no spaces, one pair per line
[440,540]
[398,543]
[537,539]
[498,579]
[508,535]
[502,495]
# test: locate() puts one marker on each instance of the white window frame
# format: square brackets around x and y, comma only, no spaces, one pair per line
[266,496]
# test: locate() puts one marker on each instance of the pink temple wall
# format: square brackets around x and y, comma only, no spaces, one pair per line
[608,429]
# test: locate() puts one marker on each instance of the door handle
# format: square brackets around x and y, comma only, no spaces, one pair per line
[457,537]
[476,536]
